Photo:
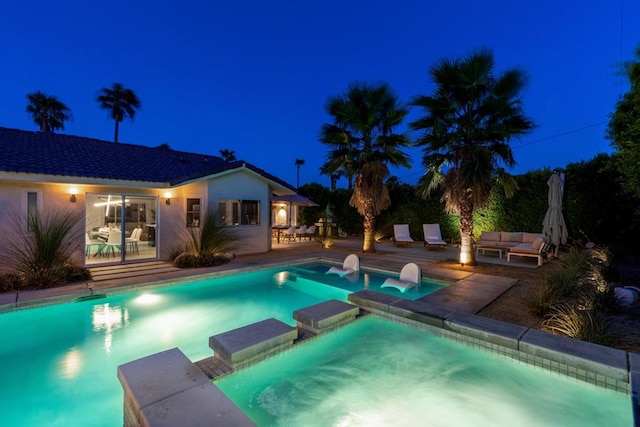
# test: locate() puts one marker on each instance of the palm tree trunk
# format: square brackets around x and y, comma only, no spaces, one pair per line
[115,137]
[369,222]
[467,255]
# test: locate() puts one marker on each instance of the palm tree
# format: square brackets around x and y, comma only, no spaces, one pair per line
[120,102]
[47,111]
[470,120]
[228,155]
[362,140]
[298,163]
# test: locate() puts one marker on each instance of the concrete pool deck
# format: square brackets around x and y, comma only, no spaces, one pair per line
[468,292]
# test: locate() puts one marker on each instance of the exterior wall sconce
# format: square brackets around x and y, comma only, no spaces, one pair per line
[168,196]
[73,191]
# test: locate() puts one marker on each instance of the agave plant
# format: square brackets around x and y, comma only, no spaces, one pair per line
[206,245]
[43,256]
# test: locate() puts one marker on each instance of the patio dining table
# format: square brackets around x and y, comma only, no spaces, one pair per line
[278,229]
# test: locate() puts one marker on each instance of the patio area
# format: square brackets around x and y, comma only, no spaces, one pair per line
[469,290]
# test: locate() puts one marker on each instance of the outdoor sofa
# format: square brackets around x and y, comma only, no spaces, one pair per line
[516,243]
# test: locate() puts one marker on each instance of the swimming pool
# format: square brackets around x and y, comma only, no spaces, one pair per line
[375,372]
[59,362]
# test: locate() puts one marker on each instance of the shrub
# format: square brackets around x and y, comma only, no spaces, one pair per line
[10,282]
[76,273]
[42,255]
[186,260]
[174,251]
[584,325]
[211,260]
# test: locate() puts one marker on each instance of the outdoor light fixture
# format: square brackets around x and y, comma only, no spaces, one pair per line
[73,191]
[168,196]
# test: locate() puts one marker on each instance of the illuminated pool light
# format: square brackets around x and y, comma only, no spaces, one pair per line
[147,299]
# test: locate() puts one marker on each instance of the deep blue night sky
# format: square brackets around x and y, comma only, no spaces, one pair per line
[254,76]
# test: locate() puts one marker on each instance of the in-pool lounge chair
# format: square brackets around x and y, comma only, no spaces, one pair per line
[350,265]
[410,276]
[401,234]
[433,236]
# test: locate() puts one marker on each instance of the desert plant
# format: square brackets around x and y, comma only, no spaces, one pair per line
[42,256]
[174,251]
[186,260]
[325,240]
[10,282]
[211,237]
[584,325]
[206,245]
[76,273]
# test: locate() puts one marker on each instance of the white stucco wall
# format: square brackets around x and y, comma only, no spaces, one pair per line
[170,219]
[243,185]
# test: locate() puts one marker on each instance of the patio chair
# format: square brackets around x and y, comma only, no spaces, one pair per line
[401,234]
[300,232]
[311,231]
[350,265]
[289,233]
[410,276]
[433,236]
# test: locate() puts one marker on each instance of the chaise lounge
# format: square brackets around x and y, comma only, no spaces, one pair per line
[401,235]
[433,236]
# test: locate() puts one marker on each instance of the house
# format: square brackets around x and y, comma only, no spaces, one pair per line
[123,187]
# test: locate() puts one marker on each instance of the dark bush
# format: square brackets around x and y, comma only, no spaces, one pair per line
[75,273]
[212,260]
[10,282]
[186,260]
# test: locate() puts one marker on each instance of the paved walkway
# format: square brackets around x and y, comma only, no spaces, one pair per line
[468,291]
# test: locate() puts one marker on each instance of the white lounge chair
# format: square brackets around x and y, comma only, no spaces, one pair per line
[350,265]
[401,234]
[433,236]
[410,276]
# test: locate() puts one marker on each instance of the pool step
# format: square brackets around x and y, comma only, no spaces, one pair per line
[122,271]
[326,316]
[244,346]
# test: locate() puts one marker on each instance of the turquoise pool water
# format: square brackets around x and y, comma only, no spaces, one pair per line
[59,362]
[375,372]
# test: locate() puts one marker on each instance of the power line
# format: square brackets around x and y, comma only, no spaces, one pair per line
[547,138]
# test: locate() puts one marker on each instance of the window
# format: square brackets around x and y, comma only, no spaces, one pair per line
[239,212]
[250,212]
[193,212]
[32,207]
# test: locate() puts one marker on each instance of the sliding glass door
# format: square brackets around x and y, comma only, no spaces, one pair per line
[119,228]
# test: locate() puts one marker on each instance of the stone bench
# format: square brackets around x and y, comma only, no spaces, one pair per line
[166,389]
[248,344]
[323,317]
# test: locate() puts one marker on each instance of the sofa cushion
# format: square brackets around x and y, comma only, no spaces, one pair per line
[490,235]
[507,236]
[524,248]
[538,243]
[530,237]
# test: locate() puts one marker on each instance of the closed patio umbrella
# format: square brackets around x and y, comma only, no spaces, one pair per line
[553,225]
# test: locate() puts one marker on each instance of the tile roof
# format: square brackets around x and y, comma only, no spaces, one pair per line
[75,156]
